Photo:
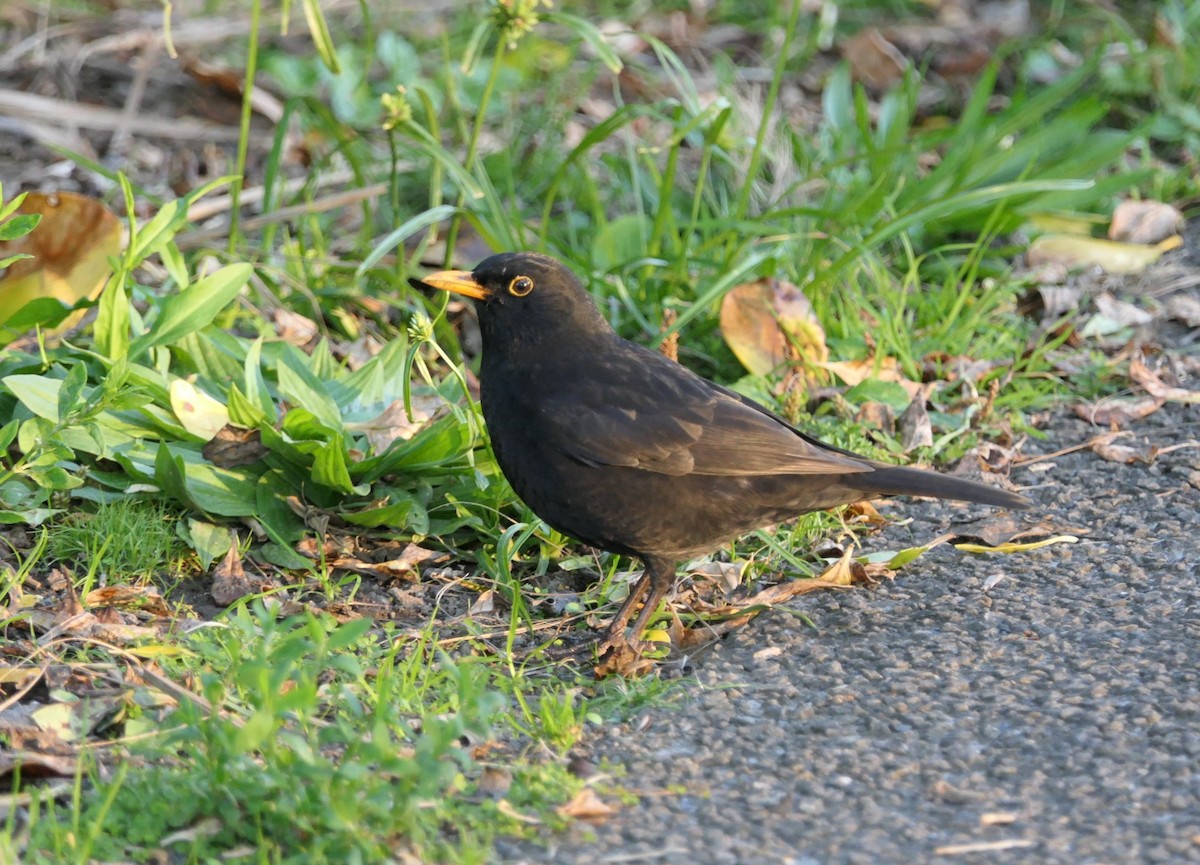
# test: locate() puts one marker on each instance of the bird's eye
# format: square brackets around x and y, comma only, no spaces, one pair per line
[520,286]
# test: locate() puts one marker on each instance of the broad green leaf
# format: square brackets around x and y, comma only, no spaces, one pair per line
[257,391]
[301,388]
[621,241]
[272,511]
[194,308]
[330,469]
[70,391]
[188,477]
[7,433]
[243,412]
[30,517]
[38,393]
[394,514]
[210,542]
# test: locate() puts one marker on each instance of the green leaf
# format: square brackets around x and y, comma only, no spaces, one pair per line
[30,517]
[242,412]
[37,393]
[210,542]
[889,393]
[112,320]
[257,391]
[188,477]
[301,388]
[319,31]
[330,468]
[53,477]
[272,512]
[408,228]
[589,33]
[194,308]
[7,433]
[621,241]
[70,392]
[394,514]
[347,634]
[19,225]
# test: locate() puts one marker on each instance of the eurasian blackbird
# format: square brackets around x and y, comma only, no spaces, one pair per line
[629,451]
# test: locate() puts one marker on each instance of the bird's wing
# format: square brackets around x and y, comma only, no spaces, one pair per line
[662,418]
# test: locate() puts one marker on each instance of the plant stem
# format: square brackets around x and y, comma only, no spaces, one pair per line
[473,145]
[239,171]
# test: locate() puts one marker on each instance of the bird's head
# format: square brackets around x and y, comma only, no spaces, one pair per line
[524,299]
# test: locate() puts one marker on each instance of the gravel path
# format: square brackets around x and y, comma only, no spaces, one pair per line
[1054,713]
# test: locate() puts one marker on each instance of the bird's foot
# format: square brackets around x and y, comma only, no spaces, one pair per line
[628,658]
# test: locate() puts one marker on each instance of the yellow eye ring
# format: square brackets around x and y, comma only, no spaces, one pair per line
[520,286]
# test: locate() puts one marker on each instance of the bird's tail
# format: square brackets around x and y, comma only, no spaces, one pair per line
[900,481]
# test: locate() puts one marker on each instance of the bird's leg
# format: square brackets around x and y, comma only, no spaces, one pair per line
[654,584]
[614,635]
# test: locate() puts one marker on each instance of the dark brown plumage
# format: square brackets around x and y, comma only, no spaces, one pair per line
[628,451]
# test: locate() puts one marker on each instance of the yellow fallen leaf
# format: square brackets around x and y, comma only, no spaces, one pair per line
[763,321]
[200,414]
[1017,547]
[1109,255]
[69,251]
[854,372]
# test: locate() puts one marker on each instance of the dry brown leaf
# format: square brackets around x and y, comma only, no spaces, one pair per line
[916,430]
[1156,387]
[587,806]
[229,583]
[294,328]
[1117,413]
[1122,312]
[624,661]
[877,416]
[484,604]
[1184,308]
[1144,222]
[37,765]
[494,782]
[233,446]
[146,599]
[405,567]
[765,321]
[70,248]
[841,572]
[1115,453]
[393,423]
[853,372]
[874,60]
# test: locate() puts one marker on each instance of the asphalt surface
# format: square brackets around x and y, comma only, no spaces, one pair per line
[1045,703]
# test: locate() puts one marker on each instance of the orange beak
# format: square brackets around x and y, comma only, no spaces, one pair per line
[456,281]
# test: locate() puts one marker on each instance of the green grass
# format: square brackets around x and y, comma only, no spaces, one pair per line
[303,739]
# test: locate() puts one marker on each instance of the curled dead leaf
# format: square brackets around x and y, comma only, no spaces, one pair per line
[587,806]
[233,446]
[229,583]
[1144,222]
[1156,387]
